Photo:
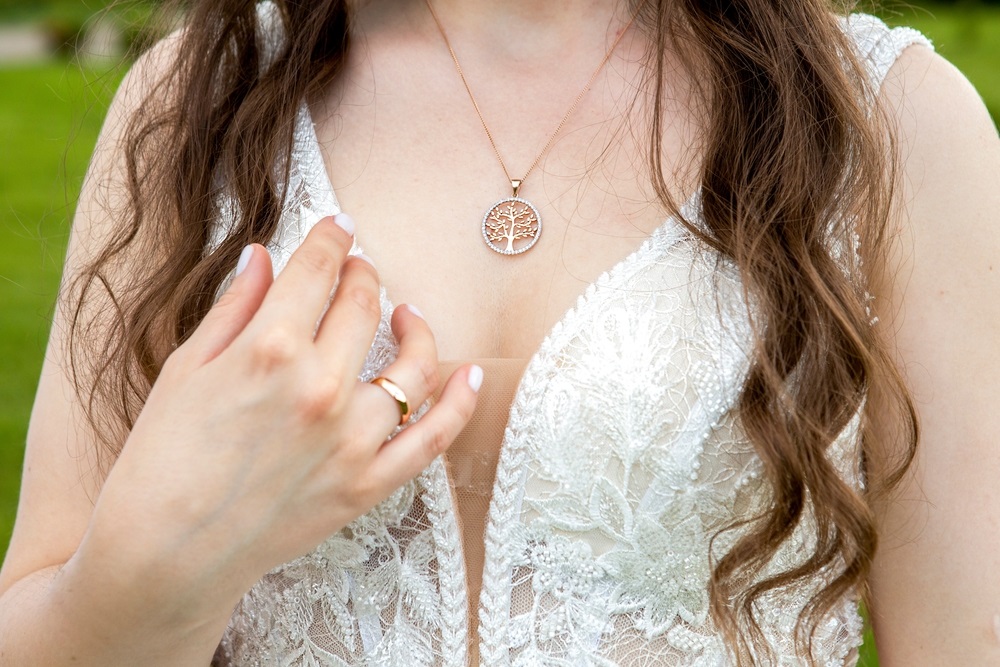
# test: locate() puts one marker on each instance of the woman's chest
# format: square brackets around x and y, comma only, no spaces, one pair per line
[412,163]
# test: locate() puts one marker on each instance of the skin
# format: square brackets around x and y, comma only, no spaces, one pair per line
[208,494]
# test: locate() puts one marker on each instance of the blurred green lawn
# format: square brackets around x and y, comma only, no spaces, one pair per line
[49,119]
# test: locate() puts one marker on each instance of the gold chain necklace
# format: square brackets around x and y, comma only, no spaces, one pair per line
[513,225]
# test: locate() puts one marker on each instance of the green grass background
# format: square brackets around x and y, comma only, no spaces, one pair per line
[50,115]
[49,119]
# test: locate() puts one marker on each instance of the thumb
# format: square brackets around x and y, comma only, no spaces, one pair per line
[235,308]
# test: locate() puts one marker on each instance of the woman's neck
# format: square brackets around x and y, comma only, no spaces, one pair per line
[518,29]
[501,15]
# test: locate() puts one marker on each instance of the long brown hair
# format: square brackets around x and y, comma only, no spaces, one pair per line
[797,174]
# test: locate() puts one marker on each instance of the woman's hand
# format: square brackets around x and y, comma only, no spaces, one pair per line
[257,441]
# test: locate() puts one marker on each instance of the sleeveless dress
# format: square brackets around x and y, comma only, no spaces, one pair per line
[621,458]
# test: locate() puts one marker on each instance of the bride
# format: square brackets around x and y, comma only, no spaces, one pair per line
[696,273]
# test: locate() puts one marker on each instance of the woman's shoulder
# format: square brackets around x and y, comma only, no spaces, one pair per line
[943,132]
[879,45]
[947,187]
[946,141]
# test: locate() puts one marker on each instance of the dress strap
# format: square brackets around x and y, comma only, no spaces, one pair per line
[878,45]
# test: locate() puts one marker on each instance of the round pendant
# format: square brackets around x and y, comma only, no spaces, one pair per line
[511,226]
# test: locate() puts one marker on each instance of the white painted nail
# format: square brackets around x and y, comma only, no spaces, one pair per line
[475,378]
[244,259]
[416,311]
[345,222]
[365,258]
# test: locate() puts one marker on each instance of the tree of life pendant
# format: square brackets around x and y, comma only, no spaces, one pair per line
[512,225]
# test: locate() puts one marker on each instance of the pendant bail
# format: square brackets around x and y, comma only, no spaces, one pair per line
[515,184]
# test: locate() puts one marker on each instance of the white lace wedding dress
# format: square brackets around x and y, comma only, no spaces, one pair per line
[621,459]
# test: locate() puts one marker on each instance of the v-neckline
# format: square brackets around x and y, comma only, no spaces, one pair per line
[310,142]
[663,235]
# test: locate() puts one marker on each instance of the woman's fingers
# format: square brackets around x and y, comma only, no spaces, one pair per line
[349,324]
[302,290]
[416,365]
[405,456]
[234,309]
[415,372]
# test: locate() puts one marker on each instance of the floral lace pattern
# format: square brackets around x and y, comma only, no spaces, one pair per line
[622,459]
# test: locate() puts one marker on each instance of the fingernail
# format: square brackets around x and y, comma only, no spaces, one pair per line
[475,378]
[365,258]
[244,259]
[415,311]
[345,222]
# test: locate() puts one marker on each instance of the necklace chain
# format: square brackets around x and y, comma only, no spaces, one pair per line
[516,183]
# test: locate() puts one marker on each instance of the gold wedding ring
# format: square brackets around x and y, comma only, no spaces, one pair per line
[397,394]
